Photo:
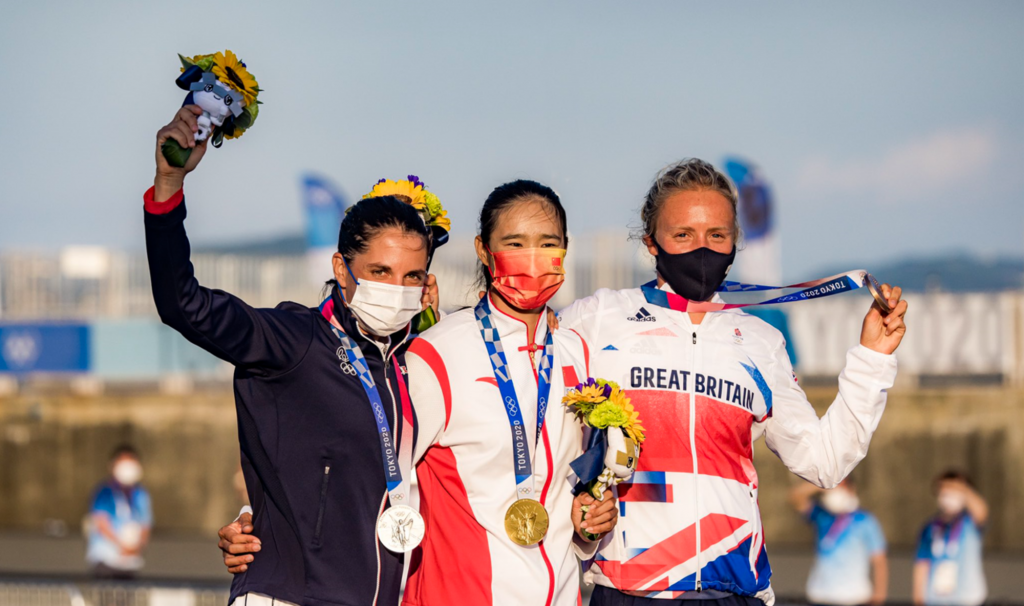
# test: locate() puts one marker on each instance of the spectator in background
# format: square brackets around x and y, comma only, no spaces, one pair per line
[948,569]
[120,519]
[850,567]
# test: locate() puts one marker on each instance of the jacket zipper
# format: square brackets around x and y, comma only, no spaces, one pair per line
[323,503]
[693,455]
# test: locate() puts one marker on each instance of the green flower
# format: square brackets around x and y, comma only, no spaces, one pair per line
[608,414]
[602,383]
[432,203]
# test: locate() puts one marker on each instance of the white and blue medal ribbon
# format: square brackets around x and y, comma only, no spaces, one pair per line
[400,528]
[394,464]
[806,291]
[522,461]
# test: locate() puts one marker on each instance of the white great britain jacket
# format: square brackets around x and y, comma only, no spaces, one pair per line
[466,478]
[689,518]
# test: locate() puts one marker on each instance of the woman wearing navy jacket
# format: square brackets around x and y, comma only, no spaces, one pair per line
[311,446]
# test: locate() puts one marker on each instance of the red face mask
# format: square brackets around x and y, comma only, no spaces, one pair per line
[527,278]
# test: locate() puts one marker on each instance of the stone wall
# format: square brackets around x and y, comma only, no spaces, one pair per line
[54,448]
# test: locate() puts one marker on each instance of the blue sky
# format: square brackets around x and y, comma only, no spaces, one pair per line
[888,129]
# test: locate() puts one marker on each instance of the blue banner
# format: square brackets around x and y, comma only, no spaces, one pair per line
[325,207]
[26,348]
[756,205]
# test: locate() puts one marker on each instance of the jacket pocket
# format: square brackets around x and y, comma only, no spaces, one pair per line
[326,477]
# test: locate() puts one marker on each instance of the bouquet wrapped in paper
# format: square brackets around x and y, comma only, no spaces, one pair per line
[613,443]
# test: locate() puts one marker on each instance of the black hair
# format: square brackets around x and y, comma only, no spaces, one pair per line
[503,197]
[953,474]
[124,449]
[370,216]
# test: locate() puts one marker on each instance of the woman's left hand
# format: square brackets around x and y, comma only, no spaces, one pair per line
[883,332]
[601,516]
[431,296]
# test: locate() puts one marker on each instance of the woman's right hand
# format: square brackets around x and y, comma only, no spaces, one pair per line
[169,179]
[237,545]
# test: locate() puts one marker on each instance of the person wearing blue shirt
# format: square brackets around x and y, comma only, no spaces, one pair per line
[850,566]
[948,570]
[120,519]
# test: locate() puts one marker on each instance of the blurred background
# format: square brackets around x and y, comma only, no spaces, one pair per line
[876,135]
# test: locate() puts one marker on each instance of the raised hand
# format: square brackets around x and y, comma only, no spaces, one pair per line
[182,129]
[884,332]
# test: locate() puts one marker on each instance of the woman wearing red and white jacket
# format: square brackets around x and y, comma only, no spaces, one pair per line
[706,386]
[495,465]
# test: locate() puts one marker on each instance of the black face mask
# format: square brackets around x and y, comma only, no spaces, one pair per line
[695,275]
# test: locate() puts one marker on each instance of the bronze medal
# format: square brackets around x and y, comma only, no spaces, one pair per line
[875,288]
[526,522]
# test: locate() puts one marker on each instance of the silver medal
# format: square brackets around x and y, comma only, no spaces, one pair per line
[400,528]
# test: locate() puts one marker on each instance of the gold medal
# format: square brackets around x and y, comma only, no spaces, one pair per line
[526,522]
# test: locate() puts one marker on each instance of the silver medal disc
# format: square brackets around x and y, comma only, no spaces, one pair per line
[875,288]
[400,528]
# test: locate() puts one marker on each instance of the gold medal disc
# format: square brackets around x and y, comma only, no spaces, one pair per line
[875,288]
[526,522]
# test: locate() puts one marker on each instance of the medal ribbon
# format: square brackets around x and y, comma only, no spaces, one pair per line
[397,461]
[496,354]
[815,289]
[839,525]
[947,547]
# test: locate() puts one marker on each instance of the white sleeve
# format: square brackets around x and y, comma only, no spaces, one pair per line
[824,451]
[582,316]
[428,401]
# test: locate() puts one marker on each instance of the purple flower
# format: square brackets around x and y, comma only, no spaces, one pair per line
[381,181]
[416,181]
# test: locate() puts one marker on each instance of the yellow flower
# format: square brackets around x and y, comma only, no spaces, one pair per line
[591,394]
[407,191]
[234,73]
[413,193]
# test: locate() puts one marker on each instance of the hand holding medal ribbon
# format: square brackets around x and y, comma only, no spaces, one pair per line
[613,447]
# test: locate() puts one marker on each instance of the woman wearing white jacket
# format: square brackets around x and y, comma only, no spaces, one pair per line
[706,385]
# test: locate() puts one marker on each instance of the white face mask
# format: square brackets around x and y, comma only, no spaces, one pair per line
[385,309]
[840,501]
[952,502]
[128,473]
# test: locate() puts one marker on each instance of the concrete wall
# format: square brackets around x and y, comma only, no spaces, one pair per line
[54,448]
[922,433]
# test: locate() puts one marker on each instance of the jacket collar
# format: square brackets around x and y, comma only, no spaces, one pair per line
[514,328]
[335,306]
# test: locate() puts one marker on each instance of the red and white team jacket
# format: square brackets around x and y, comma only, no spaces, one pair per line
[466,478]
[689,518]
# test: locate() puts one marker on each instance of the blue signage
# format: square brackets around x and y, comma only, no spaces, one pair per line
[44,347]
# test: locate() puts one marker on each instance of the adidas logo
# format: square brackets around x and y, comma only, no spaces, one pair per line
[642,316]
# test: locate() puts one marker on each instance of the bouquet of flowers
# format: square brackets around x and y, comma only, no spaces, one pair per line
[222,86]
[613,446]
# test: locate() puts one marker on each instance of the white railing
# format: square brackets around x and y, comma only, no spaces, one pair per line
[978,335]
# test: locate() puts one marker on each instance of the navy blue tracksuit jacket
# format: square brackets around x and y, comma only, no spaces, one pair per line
[310,451]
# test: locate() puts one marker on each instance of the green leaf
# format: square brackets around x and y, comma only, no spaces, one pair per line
[185,61]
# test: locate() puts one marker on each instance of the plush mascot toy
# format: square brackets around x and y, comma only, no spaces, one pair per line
[225,90]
